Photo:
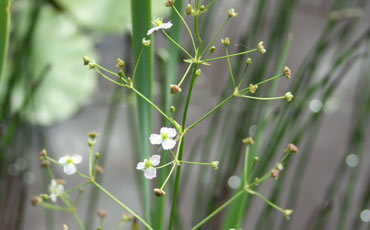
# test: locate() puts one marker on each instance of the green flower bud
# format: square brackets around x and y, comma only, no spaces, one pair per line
[261,48]
[189,10]
[146,42]
[248,61]
[86,60]
[120,63]
[288,96]
[253,88]
[198,72]
[248,141]
[212,49]
[232,13]
[226,41]
[214,164]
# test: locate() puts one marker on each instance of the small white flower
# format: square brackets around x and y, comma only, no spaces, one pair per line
[55,190]
[69,162]
[165,138]
[147,166]
[158,24]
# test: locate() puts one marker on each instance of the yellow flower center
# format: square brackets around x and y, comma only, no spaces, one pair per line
[148,164]
[164,136]
[157,22]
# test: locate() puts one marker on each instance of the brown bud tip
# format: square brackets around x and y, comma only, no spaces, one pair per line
[287,213]
[174,89]
[169,3]
[98,169]
[159,192]
[189,10]
[120,63]
[287,72]
[43,154]
[214,164]
[127,217]
[34,200]
[248,141]
[253,88]
[275,174]
[86,60]
[93,135]
[45,163]
[292,148]
[261,48]
[65,227]
[101,213]
[61,181]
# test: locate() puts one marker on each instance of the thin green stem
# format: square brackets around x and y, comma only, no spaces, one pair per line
[210,4]
[196,31]
[108,71]
[186,73]
[194,163]
[82,175]
[173,155]
[75,187]
[91,160]
[177,44]
[243,76]
[266,200]
[78,220]
[53,161]
[215,36]
[262,82]
[229,66]
[109,79]
[137,63]
[231,55]
[224,205]
[54,207]
[246,156]
[186,25]
[165,165]
[121,204]
[169,175]
[210,112]
[262,98]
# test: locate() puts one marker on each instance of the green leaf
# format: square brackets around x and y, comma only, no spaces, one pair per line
[58,47]
[4,32]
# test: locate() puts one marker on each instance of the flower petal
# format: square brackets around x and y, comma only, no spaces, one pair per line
[63,159]
[140,166]
[59,190]
[166,25]
[53,183]
[150,173]
[171,132]
[69,169]
[151,31]
[168,144]
[53,197]
[164,130]
[155,159]
[155,139]
[76,158]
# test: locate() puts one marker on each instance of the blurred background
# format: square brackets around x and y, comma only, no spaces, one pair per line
[49,100]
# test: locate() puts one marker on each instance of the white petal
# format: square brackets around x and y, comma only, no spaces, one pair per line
[76,158]
[165,25]
[151,31]
[164,130]
[155,139]
[150,173]
[140,166]
[60,189]
[53,183]
[171,132]
[69,169]
[168,144]
[155,159]
[63,159]
[53,197]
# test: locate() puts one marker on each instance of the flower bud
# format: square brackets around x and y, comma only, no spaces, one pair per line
[174,89]
[35,200]
[44,197]
[120,73]
[101,213]
[198,72]
[127,217]
[45,163]
[256,159]
[261,48]
[248,141]
[120,63]
[232,13]
[99,228]
[292,148]
[42,154]
[214,164]
[99,169]
[248,61]
[279,166]
[287,72]
[275,174]
[65,227]
[169,3]
[60,181]
[97,155]
[212,49]
[202,8]
[159,192]
[93,135]
[146,42]
[92,65]
[189,10]
[226,41]
[172,109]
[288,96]
[253,88]
[86,60]
[287,213]
[91,143]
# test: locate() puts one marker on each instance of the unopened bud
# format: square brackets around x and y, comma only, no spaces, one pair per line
[198,72]
[256,159]
[120,73]
[35,200]
[91,143]
[261,48]
[97,155]
[214,164]
[86,60]
[42,154]
[253,88]
[248,141]
[93,135]
[99,169]
[172,109]
[212,49]
[287,72]
[189,10]
[287,213]
[292,148]
[288,96]
[45,163]
[175,89]
[226,41]
[92,65]
[146,42]
[202,8]
[279,166]
[101,213]
[232,13]
[45,197]
[169,3]
[159,192]
[65,227]
[99,228]
[127,217]
[120,63]
[248,61]
[275,174]
[60,181]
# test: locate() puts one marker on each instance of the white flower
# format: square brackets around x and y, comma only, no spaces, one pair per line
[69,163]
[147,166]
[158,24]
[55,190]
[165,138]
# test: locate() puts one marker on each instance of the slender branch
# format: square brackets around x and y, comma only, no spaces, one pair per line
[229,66]
[231,55]
[186,73]
[195,163]
[169,175]
[262,98]
[216,35]
[137,63]
[177,44]
[186,25]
